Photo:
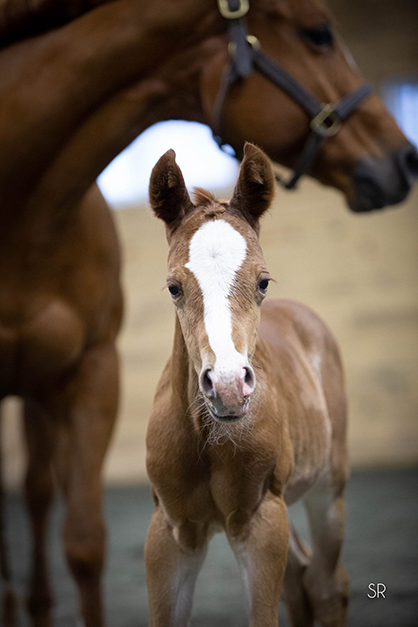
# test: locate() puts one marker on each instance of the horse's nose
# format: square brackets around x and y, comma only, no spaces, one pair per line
[408,162]
[381,182]
[228,393]
[247,377]
[206,383]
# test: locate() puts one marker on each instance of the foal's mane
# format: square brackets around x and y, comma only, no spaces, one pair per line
[204,198]
[211,205]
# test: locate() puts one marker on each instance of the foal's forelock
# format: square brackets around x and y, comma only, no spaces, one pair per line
[216,253]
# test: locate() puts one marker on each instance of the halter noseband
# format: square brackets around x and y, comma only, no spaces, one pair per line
[246,55]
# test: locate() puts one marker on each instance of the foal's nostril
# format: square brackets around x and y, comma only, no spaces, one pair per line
[249,381]
[207,383]
[408,162]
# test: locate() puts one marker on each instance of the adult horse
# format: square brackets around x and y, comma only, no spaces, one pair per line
[79,81]
[73,96]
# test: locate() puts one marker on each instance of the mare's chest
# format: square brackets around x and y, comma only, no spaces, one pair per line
[56,297]
[40,337]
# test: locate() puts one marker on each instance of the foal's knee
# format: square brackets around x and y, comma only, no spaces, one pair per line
[84,549]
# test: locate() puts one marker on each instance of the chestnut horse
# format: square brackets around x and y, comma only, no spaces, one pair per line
[244,422]
[80,79]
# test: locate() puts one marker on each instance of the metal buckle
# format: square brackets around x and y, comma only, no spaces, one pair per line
[253,41]
[327,122]
[225,11]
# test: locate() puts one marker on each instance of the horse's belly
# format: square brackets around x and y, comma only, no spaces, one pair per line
[35,352]
[311,438]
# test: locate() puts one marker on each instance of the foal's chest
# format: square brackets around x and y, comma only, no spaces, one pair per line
[241,484]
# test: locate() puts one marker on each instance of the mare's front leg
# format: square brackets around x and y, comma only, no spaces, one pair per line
[8,599]
[39,492]
[85,414]
[173,558]
[261,547]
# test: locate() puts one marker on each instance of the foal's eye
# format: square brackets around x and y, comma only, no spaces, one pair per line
[321,36]
[263,285]
[174,290]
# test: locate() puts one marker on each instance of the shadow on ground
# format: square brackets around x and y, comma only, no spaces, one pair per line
[381,546]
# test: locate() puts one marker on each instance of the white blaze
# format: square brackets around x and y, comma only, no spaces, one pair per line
[216,253]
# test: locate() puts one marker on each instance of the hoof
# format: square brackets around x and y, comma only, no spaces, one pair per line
[9,608]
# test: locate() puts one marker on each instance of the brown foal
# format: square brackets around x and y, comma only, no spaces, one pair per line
[249,416]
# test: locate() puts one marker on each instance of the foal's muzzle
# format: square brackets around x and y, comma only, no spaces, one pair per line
[227,395]
[381,182]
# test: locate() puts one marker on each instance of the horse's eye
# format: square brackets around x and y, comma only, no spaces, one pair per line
[174,290]
[321,36]
[263,285]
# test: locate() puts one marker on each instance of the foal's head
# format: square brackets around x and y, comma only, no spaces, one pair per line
[217,276]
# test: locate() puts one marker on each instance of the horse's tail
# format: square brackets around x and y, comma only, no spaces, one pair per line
[9,601]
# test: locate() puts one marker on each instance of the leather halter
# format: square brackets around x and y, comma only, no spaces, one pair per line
[246,55]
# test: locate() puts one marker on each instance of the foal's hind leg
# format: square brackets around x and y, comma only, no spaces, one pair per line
[325,580]
[294,594]
[38,496]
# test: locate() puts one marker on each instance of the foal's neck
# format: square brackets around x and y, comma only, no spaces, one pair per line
[183,376]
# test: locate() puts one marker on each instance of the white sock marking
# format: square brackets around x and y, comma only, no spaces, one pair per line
[216,253]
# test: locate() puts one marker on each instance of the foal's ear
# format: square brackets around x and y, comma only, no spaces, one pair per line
[254,190]
[168,195]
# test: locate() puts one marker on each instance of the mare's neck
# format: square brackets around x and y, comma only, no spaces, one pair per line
[20,20]
[85,91]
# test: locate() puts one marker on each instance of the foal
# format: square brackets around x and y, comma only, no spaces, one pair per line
[249,416]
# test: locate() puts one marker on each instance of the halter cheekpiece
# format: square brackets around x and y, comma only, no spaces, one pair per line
[246,55]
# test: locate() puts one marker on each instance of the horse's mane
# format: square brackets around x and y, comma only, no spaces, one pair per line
[26,18]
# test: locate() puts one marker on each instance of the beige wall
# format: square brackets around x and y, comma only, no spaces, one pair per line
[358,272]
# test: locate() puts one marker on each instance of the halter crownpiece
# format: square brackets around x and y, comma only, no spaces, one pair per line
[246,55]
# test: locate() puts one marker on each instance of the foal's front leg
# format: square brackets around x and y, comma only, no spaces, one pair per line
[261,550]
[173,558]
